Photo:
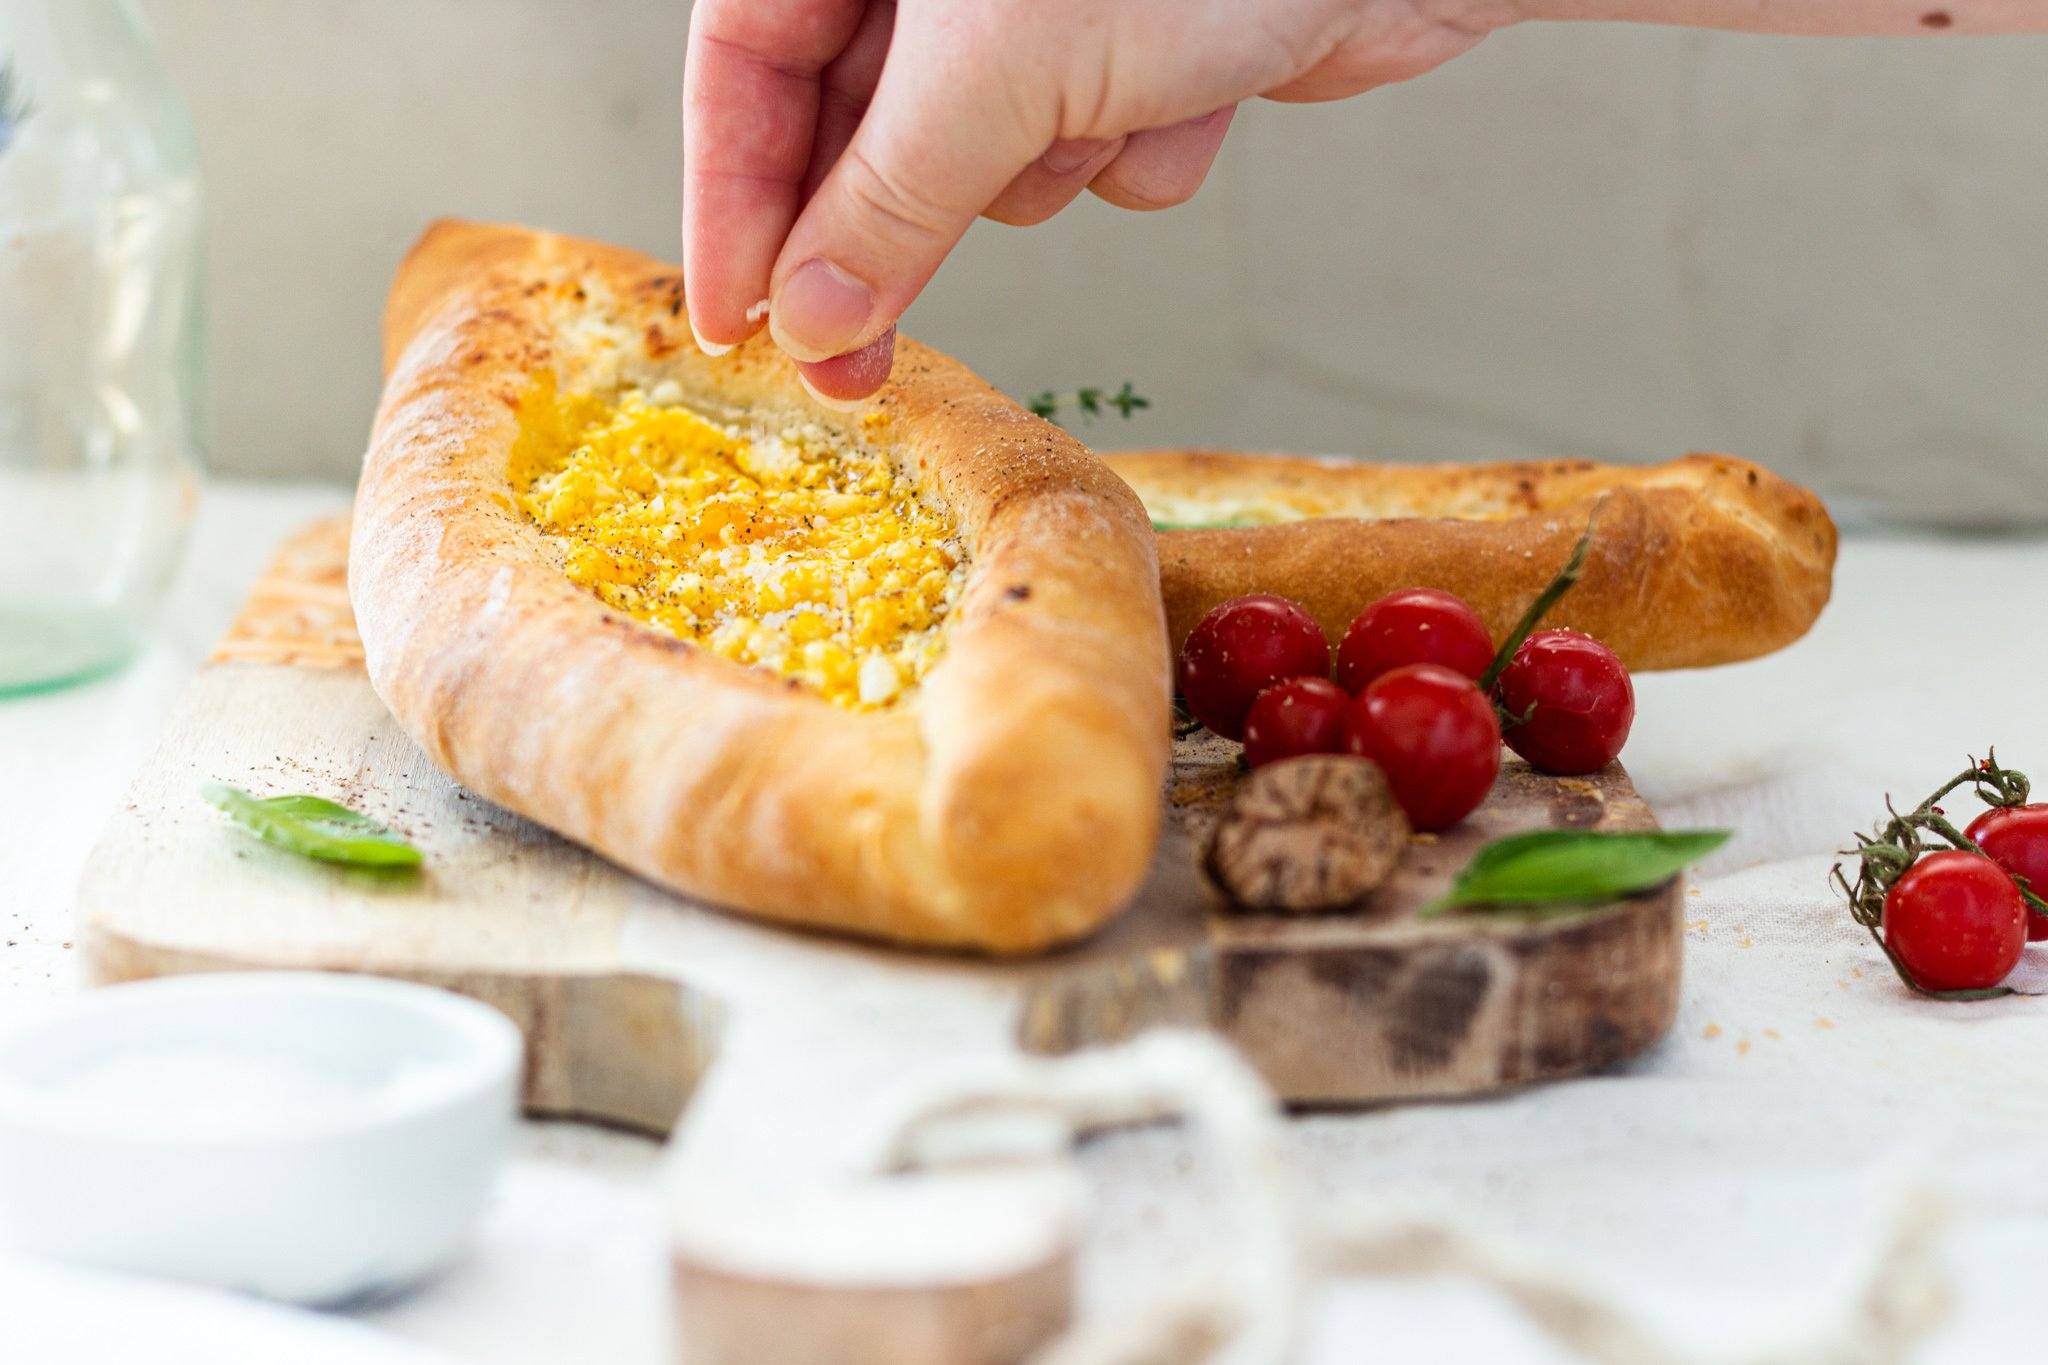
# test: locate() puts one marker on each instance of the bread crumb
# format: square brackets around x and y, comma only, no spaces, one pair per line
[1823,1022]
[1711,1031]
[1742,1048]
[1771,1034]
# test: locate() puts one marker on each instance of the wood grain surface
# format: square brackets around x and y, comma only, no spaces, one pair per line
[1382,1003]
[786,1046]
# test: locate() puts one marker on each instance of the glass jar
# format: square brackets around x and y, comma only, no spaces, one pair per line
[101,372]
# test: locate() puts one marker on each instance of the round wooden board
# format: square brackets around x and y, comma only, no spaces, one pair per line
[1382,1003]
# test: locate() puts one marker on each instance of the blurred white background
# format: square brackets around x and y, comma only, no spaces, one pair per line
[1606,241]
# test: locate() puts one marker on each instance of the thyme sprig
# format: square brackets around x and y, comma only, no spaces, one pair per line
[1090,402]
[1886,853]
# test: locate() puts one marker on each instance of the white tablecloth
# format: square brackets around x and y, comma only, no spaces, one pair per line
[1713,1185]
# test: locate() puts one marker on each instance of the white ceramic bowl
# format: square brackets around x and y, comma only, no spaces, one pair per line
[304,1136]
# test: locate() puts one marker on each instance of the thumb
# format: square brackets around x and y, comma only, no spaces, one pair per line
[929,156]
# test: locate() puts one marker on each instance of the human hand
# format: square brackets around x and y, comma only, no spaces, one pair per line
[836,150]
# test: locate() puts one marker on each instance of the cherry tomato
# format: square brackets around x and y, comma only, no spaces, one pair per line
[1413,626]
[1241,647]
[1299,716]
[1434,735]
[2016,838]
[1577,697]
[1957,921]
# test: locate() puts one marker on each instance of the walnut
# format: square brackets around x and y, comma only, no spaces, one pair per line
[1306,836]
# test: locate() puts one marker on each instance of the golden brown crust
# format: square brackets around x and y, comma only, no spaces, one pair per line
[1703,560]
[297,614]
[1009,804]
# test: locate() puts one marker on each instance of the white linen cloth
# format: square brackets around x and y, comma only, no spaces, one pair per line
[1715,1184]
[57,1315]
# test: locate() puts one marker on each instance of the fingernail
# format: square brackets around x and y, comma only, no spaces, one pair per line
[836,404]
[709,347]
[820,311]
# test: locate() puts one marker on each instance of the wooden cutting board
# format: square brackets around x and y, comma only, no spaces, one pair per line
[635,1002]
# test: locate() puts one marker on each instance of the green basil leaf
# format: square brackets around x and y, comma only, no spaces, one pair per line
[1564,866]
[313,827]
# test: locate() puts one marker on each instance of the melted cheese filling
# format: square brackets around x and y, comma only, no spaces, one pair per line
[1184,512]
[781,551]
[1178,511]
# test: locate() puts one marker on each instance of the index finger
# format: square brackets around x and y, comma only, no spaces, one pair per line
[750,107]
